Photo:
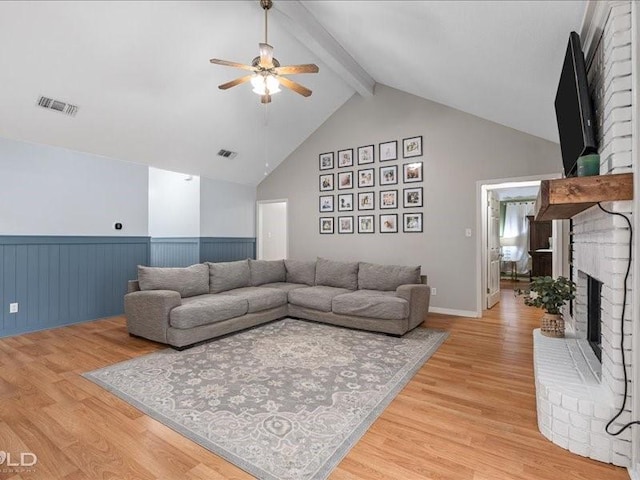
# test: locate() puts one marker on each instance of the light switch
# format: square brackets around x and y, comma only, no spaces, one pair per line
[467,232]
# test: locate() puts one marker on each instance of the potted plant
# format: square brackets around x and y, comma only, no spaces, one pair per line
[550,295]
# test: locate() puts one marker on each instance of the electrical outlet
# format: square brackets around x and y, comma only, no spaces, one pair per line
[13,308]
[434,291]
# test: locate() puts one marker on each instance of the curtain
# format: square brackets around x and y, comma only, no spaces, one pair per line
[516,234]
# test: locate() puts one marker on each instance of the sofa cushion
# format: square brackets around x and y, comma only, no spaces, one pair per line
[260,298]
[225,276]
[372,276]
[332,273]
[206,309]
[287,287]
[299,271]
[317,298]
[371,304]
[188,281]
[266,271]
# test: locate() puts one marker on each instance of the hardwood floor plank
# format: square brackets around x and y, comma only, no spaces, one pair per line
[468,414]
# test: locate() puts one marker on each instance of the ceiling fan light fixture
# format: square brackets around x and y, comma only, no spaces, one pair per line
[263,84]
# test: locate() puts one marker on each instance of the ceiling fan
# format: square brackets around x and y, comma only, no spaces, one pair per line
[267,74]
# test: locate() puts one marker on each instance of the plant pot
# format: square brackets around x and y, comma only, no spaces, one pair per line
[552,325]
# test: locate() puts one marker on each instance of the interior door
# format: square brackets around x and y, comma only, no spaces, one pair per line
[493,245]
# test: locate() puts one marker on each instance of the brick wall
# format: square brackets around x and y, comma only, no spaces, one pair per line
[601,240]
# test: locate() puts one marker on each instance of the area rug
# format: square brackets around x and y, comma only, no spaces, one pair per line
[285,401]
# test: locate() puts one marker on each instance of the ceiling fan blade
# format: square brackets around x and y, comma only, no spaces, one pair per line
[296,87]
[265,99]
[227,63]
[293,69]
[237,81]
[266,55]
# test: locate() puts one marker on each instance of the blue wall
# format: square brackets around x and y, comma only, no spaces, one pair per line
[226,249]
[174,252]
[63,280]
[59,280]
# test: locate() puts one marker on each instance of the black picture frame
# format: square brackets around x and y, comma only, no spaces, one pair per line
[388,151]
[414,227]
[408,175]
[345,158]
[412,197]
[384,178]
[366,201]
[321,225]
[329,186]
[384,217]
[372,219]
[326,161]
[345,178]
[345,202]
[412,147]
[341,222]
[365,181]
[323,203]
[366,155]
[384,195]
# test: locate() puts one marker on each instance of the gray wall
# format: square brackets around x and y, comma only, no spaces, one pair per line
[458,150]
[227,209]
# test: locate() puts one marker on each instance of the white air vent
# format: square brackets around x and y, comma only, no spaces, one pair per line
[58,106]
[227,153]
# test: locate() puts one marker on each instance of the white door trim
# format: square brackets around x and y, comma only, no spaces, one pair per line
[481,226]
[259,219]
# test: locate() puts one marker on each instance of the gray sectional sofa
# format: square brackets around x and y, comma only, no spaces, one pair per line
[185,306]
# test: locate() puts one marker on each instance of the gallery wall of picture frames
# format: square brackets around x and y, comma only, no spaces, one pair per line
[350,181]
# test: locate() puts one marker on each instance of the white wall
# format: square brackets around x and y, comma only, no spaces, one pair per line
[174,204]
[459,150]
[53,191]
[272,234]
[227,209]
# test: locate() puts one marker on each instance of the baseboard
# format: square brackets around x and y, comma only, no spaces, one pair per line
[457,313]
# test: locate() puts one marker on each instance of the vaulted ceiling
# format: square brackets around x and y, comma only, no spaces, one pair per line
[140,74]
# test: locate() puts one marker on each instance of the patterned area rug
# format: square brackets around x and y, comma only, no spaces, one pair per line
[286,400]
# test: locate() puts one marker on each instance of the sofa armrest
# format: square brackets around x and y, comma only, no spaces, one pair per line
[148,313]
[418,297]
[133,286]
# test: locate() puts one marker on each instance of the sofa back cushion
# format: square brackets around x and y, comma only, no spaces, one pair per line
[302,272]
[225,276]
[187,281]
[372,276]
[337,274]
[266,271]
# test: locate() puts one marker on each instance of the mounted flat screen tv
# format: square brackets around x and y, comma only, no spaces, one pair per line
[574,112]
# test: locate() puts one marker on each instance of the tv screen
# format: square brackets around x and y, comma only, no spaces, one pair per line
[573,108]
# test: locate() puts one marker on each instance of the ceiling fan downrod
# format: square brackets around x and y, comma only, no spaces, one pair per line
[266,6]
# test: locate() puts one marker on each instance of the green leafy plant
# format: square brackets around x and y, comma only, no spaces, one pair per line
[549,294]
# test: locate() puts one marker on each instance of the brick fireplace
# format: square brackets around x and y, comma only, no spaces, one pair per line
[577,392]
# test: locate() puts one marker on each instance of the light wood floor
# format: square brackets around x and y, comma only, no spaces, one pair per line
[468,414]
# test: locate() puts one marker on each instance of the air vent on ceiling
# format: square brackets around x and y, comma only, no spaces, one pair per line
[58,106]
[227,153]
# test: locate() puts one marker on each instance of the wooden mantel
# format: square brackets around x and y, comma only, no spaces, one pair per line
[566,197]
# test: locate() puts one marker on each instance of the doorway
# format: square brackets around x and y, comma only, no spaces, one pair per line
[272,230]
[504,255]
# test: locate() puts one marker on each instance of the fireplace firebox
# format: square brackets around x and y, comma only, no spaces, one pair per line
[594,311]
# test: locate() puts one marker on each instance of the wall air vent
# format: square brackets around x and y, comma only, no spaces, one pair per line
[58,106]
[227,153]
